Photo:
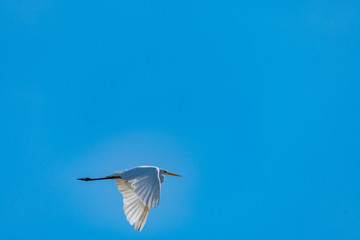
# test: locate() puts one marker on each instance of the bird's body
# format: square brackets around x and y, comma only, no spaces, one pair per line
[140,187]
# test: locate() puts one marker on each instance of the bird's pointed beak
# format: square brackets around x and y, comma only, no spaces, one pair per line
[173,174]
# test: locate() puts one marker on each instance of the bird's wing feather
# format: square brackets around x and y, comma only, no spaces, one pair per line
[146,184]
[136,212]
[140,188]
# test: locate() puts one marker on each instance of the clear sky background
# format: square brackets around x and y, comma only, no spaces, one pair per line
[256,104]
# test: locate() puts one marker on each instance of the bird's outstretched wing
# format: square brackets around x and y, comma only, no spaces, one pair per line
[140,188]
[136,212]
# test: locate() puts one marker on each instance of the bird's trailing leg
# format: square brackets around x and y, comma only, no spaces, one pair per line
[94,179]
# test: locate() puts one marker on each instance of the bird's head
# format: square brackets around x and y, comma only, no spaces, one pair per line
[164,172]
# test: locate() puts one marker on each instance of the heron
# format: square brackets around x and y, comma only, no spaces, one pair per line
[140,188]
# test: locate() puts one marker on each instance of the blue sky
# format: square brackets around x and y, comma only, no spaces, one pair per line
[255,104]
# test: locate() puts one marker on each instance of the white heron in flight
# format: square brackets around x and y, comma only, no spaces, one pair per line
[140,187]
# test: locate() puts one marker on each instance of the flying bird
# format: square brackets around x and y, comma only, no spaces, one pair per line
[140,187]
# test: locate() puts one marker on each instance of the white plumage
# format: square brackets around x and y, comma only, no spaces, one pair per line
[140,187]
